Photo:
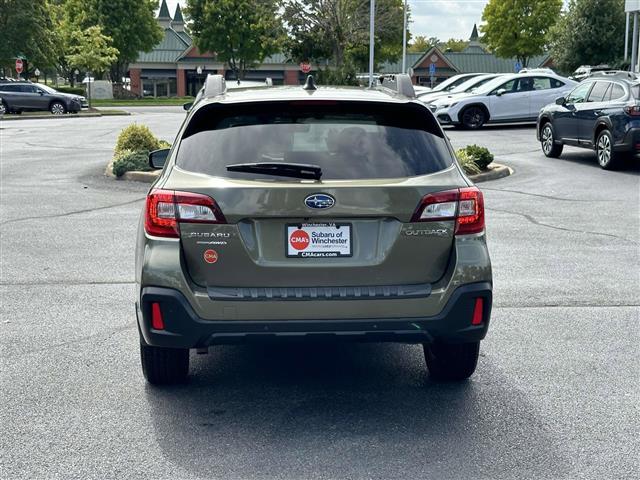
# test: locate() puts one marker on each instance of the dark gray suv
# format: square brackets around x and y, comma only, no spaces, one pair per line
[16,97]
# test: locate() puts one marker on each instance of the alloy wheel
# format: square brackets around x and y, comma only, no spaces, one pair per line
[473,118]
[57,109]
[547,139]
[604,149]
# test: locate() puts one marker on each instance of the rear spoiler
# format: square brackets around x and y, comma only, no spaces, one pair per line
[399,83]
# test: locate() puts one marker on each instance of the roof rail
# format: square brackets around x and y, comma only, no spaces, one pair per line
[615,73]
[399,83]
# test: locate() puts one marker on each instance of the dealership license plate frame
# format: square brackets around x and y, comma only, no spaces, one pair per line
[309,225]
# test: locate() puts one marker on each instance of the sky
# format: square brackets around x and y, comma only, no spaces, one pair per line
[432,18]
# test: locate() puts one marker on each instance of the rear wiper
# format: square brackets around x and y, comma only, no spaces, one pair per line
[279,169]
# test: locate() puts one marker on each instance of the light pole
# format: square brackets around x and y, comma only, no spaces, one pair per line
[89,87]
[76,72]
[404,39]
[372,17]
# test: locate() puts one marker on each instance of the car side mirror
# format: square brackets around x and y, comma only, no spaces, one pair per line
[40,92]
[501,92]
[561,101]
[187,106]
[158,158]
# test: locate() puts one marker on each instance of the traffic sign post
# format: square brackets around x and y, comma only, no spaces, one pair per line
[19,66]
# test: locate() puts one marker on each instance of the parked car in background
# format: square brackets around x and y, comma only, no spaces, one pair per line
[447,85]
[465,87]
[602,113]
[585,71]
[516,97]
[17,97]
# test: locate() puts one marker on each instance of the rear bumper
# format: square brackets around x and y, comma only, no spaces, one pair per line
[630,142]
[184,329]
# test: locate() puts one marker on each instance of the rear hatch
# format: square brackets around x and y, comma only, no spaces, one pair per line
[280,227]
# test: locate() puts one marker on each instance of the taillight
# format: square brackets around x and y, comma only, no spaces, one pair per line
[464,205]
[167,208]
[470,211]
[633,110]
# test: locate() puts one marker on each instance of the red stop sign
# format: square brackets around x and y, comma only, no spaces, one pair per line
[305,67]
[19,65]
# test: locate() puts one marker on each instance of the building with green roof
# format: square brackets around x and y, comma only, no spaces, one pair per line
[175,66]
[474,58]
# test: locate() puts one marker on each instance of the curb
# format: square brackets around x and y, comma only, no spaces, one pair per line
[78,115]
[495,172]
[134,176]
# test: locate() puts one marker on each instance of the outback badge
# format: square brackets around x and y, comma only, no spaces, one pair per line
[319,201]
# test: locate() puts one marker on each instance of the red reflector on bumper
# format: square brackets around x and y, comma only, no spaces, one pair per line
[477,312]
[156,317]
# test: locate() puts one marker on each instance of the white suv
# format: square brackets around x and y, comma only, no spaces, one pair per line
[510,98]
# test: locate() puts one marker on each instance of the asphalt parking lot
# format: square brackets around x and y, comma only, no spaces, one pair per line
[556,394]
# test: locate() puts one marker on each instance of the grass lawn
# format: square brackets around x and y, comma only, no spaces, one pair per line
[142,102]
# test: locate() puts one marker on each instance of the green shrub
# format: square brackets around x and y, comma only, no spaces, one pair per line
[480,155]
[467,162]
[136,138]
[71,90]
[163,144]
[128,160]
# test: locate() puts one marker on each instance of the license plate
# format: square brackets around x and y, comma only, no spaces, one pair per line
[309,240]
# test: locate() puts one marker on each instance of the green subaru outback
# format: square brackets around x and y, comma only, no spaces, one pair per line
[311,213]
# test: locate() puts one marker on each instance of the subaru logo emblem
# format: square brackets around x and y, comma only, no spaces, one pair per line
[319,201]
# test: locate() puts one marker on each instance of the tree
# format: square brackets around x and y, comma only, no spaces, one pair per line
[338,31]
[454,45]
[130,24]
[518,28]
[26,31]
[240,32]
[590,33]
[91,50]
[423,44]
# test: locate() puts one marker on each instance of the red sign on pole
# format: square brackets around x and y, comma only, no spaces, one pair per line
[19,65]
[305,67]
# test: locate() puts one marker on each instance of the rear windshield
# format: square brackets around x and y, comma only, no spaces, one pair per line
[346,140]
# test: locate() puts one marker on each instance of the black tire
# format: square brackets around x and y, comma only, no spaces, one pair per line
[58,108]
[164,366]
[473,117]
[3,108]
[608,159]
[548,143]
[452,362]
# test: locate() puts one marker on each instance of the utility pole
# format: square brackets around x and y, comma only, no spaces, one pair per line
[372,17]
[404,39]
[634,44]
